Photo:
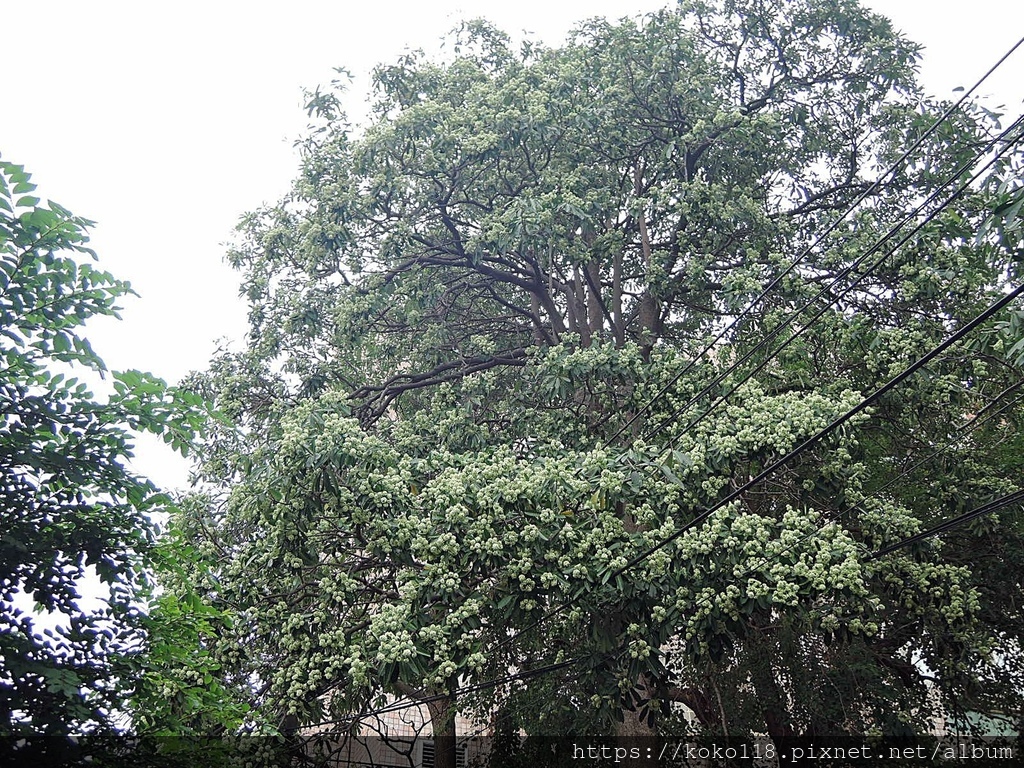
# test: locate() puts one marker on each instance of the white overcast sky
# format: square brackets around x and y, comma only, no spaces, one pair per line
[164,122]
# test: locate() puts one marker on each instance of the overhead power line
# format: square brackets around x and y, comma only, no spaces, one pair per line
[802,447]
[991,311]
[1016,497]
[858,279]
[982,417]
[777,280]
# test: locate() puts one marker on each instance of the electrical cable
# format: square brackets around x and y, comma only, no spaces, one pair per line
[875,186]
[986,508]
[947,525]
[835,516]
[991,506]
[805,445]
[993,309]
[988,313]
[774,332]
[558,608]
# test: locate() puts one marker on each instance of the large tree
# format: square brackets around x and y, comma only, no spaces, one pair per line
[73,519]
[498,353]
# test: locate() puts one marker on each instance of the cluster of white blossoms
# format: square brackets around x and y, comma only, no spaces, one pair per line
[428,555]
[746,558]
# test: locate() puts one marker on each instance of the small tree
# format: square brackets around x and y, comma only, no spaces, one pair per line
[69,509]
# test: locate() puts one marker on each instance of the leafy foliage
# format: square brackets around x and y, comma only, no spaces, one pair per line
[71,513]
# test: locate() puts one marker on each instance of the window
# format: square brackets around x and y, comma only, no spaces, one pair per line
[427,760]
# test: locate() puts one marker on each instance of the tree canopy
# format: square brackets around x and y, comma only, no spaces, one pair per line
[517,341]
[71,514]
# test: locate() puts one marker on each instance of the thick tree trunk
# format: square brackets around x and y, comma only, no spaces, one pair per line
[650,313]
[699,703]
[442,720]
[595,306]
[617,319]
[638,739]
[776,716]
[581,310]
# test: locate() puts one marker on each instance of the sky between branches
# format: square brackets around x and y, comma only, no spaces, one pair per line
[164,122]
